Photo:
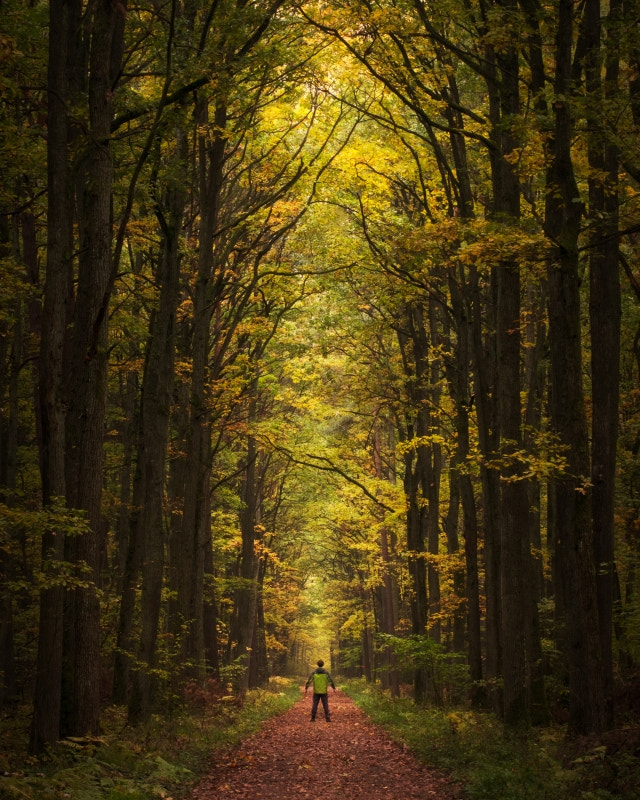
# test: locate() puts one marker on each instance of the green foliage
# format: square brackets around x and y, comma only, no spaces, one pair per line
[493,763]
[231,674]
[447,672]
[160,760]
[313,309]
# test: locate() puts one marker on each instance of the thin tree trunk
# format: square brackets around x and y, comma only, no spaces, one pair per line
[128,554]
[387,623]
[433,480]
[210,616]
[246,597]
[534,584]
[459,385]
[417,459]
[258,664]
[483,351]
[12,359]
[459,380]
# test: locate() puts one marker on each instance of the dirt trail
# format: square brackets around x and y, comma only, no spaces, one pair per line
[345,759]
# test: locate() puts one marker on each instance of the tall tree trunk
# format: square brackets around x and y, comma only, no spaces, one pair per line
[387,621]
[415,459]
[177,479]
[126,616]
[128,553]
[366,645]
[483,349]
[88,360]
[573,532]
[64,20]
[514,541]
[195,517]
[459,380]
[258,663]
[418,470]
[8,453]
[604,315]
[514,508]
[13,338]
[246,597]
[388,624]
[433,476]
[534,584]
[451,527]
[210,618]
[128,550]
[149,528]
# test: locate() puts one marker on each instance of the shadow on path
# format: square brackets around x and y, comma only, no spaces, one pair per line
[291,757]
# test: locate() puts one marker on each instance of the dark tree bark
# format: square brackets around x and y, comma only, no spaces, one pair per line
[573,532]
[387,616]
[128,553]
[88,360]
[459,380]
[258,663]
[8,452]
[534,584]
[417,459]
[433,477]
[63,32]
[210,616]
[246,597]
[195,534]
[483,349]
[514,541]
[126,615]
[148,529]
[13,359]
[459,387]
[605,314]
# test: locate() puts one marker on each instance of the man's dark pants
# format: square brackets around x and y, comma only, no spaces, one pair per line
[325,704]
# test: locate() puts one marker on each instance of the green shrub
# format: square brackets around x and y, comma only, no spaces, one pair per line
[163,758]
[494,763]
[447,673]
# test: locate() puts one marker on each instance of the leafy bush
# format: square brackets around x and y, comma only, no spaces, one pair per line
[161,759]
[447,673]
[494,763]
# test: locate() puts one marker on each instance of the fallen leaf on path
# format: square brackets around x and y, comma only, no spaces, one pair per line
[269,765]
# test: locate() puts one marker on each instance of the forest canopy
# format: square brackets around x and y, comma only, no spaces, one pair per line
[319,331]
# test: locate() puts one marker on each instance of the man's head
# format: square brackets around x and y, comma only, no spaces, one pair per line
[320,663]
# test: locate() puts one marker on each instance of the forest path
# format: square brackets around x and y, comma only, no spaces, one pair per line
[350,758]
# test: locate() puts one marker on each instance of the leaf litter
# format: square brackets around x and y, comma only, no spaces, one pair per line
[349,758]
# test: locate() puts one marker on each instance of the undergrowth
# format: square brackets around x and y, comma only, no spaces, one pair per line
[492,763]
[162,759]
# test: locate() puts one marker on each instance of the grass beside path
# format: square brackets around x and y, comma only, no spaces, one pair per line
[163,759]
[493,763]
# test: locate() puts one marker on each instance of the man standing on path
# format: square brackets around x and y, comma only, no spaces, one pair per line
[321,681]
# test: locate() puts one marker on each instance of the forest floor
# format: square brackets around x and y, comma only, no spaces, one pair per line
[291,757]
